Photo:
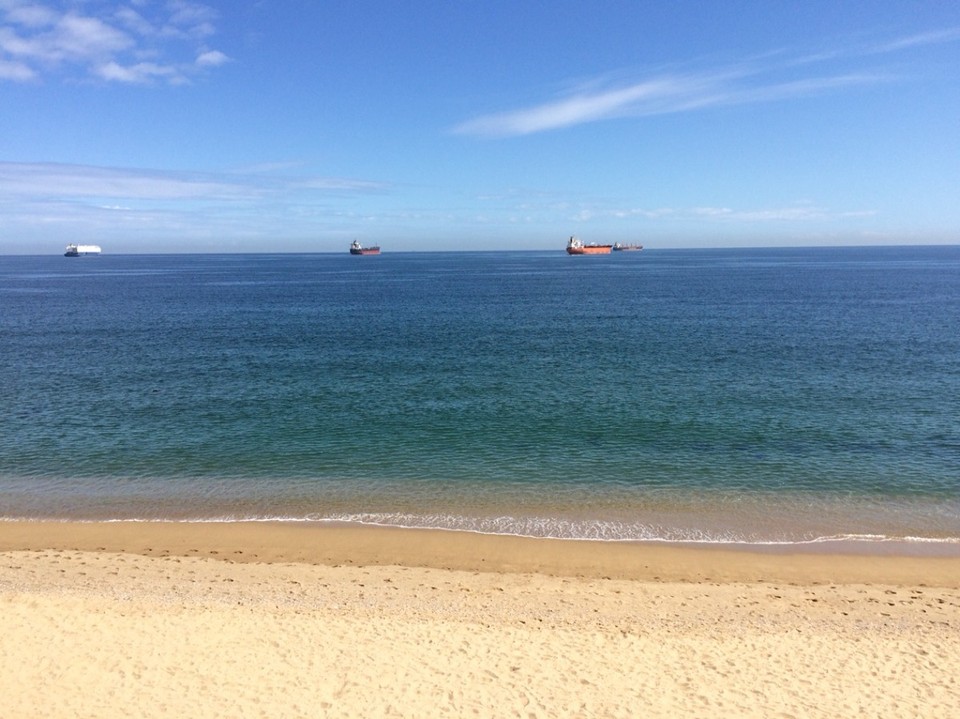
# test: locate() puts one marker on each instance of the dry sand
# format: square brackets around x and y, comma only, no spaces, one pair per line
[237,620]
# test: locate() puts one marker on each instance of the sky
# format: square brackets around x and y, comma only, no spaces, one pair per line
[432,125]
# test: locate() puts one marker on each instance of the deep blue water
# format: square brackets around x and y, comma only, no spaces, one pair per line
[745,395]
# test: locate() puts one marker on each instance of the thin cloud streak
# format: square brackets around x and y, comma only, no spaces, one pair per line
[935,37]
[662,96]
[51,180]
[749,83]
[43,181]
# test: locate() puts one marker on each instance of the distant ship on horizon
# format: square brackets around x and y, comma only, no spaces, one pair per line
[617,247]
[575,246]
[357,249]
[81,250]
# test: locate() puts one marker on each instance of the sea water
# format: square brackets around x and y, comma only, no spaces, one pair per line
[757,396]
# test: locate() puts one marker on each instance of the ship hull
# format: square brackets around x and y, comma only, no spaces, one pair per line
[365,251]
[590,250]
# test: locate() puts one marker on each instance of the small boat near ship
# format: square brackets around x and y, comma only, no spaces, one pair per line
[575,246]
[357,249]
[617,247]
[81,250]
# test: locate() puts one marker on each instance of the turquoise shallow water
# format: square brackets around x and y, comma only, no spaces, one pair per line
[710,395]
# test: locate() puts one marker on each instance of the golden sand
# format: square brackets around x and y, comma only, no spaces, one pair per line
[236,620]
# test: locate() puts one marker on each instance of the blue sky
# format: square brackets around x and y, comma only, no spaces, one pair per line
[297,126]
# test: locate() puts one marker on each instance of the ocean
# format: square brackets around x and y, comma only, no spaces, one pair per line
[756,396]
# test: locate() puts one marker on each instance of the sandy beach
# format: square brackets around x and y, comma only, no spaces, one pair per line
[237,620]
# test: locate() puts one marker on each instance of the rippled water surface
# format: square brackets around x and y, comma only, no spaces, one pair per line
[722,395]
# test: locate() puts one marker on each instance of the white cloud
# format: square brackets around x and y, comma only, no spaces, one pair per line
[192,18]
[212,58]
[766,80]
[30,15]
[71,38]
[135,22]
[17,71]
[142,72]
[85,37]
[42,39]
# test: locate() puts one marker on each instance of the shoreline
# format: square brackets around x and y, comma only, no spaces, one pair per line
[362,545]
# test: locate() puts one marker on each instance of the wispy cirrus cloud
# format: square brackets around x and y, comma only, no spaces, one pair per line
[934,37]
[42,181]
[134,44]
[753,81]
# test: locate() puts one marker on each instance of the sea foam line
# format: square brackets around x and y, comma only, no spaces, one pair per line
[538,528]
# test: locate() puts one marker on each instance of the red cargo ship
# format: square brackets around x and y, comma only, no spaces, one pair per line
[576,247]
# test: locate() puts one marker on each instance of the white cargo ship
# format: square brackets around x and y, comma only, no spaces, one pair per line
[78,250]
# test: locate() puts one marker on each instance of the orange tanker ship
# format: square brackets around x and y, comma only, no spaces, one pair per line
[576,247]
